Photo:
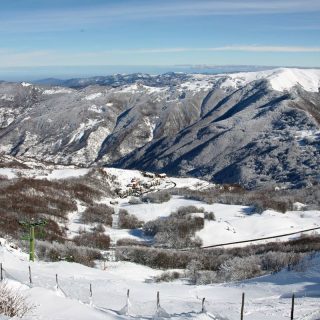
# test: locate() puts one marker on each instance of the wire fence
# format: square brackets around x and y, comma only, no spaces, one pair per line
[87,297]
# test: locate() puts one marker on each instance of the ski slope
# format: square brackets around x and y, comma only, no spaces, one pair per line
[267,297]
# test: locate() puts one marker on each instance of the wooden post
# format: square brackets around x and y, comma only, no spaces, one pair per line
[90,290]
[242,306]
[128,303]
[292,307]
[1,272]
[158,300]
[203,309]
[32,240]
[30,276]
[57,282]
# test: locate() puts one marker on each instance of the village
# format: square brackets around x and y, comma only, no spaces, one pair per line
[137,186]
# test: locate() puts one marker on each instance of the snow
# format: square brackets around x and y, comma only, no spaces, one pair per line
[281,79]
[267,297]
[7,97]
[124,177]
[196,85]
[26,84]
[79,132]
[8,172]
[64,173]
[96,109]
[233,223]
[56,91]
[93,96]
[236,225]
[139,87]
[310,135]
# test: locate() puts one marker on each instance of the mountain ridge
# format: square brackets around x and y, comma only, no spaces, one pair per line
[251,128]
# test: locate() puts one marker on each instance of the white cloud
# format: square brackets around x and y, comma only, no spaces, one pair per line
[9,58]
[57,19]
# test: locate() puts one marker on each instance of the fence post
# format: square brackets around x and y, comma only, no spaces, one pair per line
[203,309]
[242,306]
[1,272]
[30,276]
[90,290]
[158,300]
[57,282]
[292,307]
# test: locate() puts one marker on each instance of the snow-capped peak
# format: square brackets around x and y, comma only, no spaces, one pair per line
[26,84]
[281,79]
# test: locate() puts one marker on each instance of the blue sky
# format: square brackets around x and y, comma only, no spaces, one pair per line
[37,33]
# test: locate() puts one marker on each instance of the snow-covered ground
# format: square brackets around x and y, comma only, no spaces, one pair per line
[233,223]
[267,297]
[281,79]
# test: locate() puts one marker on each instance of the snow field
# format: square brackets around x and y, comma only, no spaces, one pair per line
[267,297]
[233,223]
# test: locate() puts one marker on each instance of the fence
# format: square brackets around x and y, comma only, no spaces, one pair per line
[160,311]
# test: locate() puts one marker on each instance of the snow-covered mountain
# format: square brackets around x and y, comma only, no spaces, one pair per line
[250,128]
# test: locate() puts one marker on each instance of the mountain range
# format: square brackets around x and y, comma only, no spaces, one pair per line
[252,128]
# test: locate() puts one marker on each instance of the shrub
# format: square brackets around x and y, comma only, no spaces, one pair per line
[188,209]
[68,251]
[130,242]
[209,216]
[168,276]
[99,228]
[93,240]
[128,221]
[13,303]
[226,264]
[157,197]
[240,268]
[206,277]
[275,261]
[155,258]
[177,230]
[135,200]
[98,213]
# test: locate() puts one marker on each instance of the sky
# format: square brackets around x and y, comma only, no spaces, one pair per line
[92,33]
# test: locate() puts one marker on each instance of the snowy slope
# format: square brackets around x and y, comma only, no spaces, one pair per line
[233,223]
[281,79]
[267,297]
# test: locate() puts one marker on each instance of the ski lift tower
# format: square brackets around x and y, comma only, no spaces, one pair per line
[31,224]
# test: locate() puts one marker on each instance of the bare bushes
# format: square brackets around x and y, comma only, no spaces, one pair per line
[83,192]
[157,197]
[93,240]
[70,252]
[155,258]
[26,198]
[130,242]
[168,276]
[262,199]
[218,265]
[177,230]
[239,268]
[98,213]
[13,303]
[135,200]
[275,261]
[128,221]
